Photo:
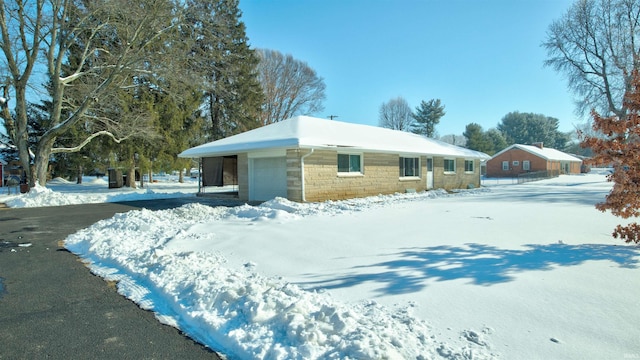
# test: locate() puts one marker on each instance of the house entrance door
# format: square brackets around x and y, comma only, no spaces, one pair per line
[429,173]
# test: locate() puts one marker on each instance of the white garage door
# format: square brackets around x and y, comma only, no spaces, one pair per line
[268,178]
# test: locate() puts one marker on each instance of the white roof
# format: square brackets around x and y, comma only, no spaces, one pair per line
[545,153]
[309,132]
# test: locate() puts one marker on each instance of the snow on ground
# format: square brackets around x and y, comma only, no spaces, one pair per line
[505,271]
[96,190]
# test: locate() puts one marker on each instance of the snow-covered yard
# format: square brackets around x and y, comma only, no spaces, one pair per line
[507,271]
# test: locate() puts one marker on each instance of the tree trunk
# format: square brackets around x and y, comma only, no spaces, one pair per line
[40,171]
[21,136]
[131,178]
[79,181]
[181,176]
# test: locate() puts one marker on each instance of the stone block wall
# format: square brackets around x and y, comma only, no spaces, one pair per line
[243,177]
[458,180]
[380,176]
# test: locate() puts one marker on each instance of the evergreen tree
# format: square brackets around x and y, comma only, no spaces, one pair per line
[489,142]
[477,139]
[497,139]
[621,148]
[427,116]
[529,128]
[227,65]
[179,125]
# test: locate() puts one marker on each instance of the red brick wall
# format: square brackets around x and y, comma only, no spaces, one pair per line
[494,166]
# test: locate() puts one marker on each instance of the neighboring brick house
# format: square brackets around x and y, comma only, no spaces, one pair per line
[311,159]
[519,159]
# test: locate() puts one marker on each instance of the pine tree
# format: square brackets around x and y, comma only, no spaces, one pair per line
[427,116]
[620,147]
[180,127]
[477,139]
[227,64]
[528,128]
[497,139]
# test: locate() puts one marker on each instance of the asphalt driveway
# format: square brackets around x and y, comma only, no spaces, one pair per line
[52,307]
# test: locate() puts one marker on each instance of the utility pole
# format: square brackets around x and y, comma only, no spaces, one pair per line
[331,117]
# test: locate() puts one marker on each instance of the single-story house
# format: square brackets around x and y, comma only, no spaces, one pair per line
[311,159]
[519,159]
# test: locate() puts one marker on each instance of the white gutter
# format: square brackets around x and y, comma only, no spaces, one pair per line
[200,187]
[304,196]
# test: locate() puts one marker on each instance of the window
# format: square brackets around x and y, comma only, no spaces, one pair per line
[516,163]
[505,166]
[449,166]
[468,166]
[348,163]
[409,166]
[429,164]
[526,165]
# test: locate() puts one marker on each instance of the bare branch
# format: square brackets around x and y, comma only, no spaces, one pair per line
[593,44]
[88,140]
[290,87]
[396,114]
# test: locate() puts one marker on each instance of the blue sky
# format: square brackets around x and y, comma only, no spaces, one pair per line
[482,58]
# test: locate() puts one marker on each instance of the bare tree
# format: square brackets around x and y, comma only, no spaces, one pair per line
[458,140]
[595,44]
[291,87]
[396,114]
[114,41]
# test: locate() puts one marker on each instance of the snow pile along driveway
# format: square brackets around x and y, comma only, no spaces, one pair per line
[60,192]
[240,312]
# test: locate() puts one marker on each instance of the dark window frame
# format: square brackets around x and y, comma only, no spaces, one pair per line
[469,166]
[449,169]
[409,166]
[350,163]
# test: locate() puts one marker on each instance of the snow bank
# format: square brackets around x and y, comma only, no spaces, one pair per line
[59,192]
[244,314]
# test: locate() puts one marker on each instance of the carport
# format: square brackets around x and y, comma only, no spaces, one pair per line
[219,176]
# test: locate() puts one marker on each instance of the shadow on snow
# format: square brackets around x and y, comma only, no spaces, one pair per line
[481,264]
[523,193]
